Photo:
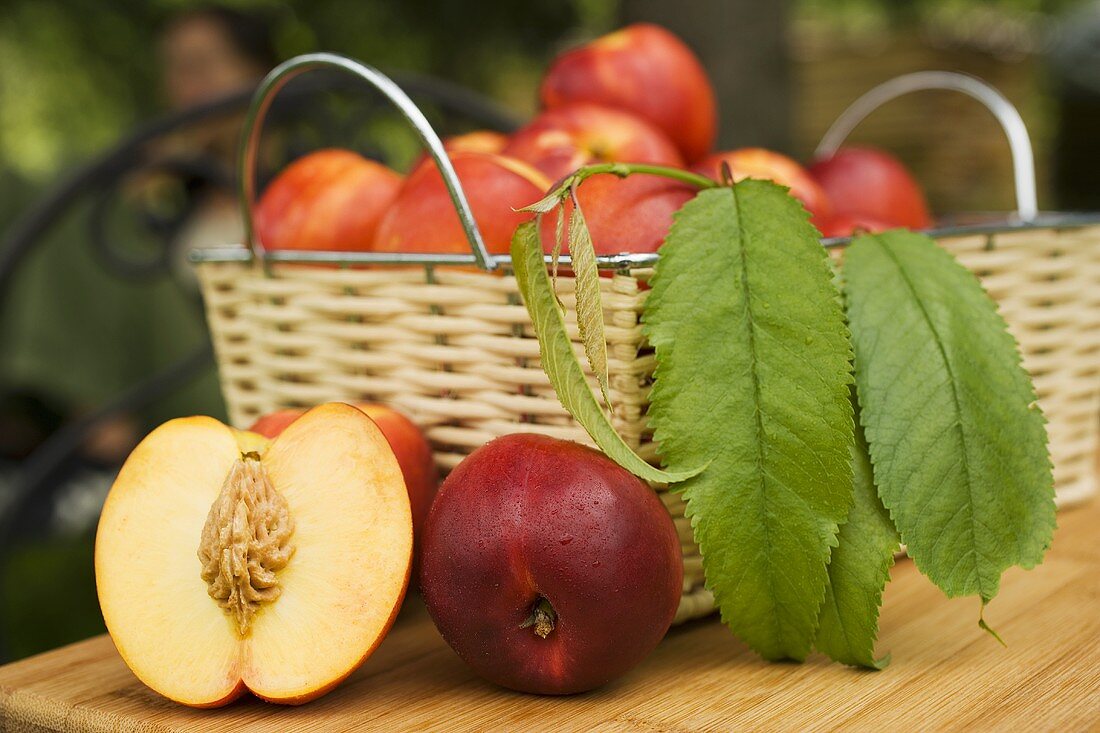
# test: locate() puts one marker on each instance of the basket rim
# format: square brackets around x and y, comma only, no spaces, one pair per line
[958,226]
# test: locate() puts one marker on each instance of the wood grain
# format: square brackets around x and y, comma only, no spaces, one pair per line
[946,674]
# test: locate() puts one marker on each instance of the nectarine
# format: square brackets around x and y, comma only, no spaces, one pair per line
[846,225]
[770,166]
[547,567]
[327,200]
[224,564]
[478,141]
[869,183]
[423,219]
[560,140]
[631,214]
[643,69]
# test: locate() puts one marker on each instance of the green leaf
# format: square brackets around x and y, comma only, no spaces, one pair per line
[858,572]
[589,305]
[753,374]
[957,442]
[560,362]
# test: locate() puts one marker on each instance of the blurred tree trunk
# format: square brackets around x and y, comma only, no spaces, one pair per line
[743,44]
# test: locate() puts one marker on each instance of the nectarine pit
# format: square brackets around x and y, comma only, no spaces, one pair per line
[245,542]
[542,618]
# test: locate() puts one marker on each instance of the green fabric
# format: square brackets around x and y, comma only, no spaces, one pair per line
[48,596]
[80,335]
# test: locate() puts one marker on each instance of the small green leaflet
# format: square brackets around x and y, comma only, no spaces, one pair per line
[589,303]
[858,572]
[753,374]
[957,442]
[560,362]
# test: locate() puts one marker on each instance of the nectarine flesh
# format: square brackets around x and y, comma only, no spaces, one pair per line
[413,452]
[224,564]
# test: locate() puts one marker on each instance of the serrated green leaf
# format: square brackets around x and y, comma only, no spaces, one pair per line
[560,362]
[957,442]
[858,572]
[753,374]
[589,304]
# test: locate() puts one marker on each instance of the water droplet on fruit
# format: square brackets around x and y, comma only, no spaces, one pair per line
[566,539]
[595,563]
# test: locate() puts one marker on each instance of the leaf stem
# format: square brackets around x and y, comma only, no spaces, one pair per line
[622,170]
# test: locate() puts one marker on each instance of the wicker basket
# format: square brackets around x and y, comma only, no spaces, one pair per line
[454,348]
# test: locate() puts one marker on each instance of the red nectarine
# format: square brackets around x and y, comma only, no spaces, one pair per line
[771,166]
[560,140]
[864,182]
[547,567]
[327,200]
[646,70]
[478,141]
[631,214]
[423,219]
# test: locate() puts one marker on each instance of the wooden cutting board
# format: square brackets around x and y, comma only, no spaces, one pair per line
[945,674]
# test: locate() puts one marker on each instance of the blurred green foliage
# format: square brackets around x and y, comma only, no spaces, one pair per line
[76,74]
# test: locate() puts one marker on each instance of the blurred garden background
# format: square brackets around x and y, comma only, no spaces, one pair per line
[79,76]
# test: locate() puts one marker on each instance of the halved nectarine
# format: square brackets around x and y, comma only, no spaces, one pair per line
[224,563]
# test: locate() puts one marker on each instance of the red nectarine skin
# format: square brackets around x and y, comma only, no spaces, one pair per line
[560,140]
[526,519]
[423,219]
[865,183]
[414,455]
[631,214]
[327,200]
[845,225]
[646,70]
[772,166]
[273,423]
[478,141]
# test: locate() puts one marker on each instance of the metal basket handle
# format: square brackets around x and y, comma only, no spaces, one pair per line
[284,72]
[1019,143]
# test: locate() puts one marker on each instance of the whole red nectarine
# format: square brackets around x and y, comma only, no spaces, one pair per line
[478,141]
[643,69]
[631,214]
[560,140]
[771,166]
[327,200]
[865,182]
[547,567]
[846,225]
[423,218]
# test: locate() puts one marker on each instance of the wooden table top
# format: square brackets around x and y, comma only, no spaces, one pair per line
[945,674]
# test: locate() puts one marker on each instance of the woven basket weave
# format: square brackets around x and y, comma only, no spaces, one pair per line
[454,349]
[456,352]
